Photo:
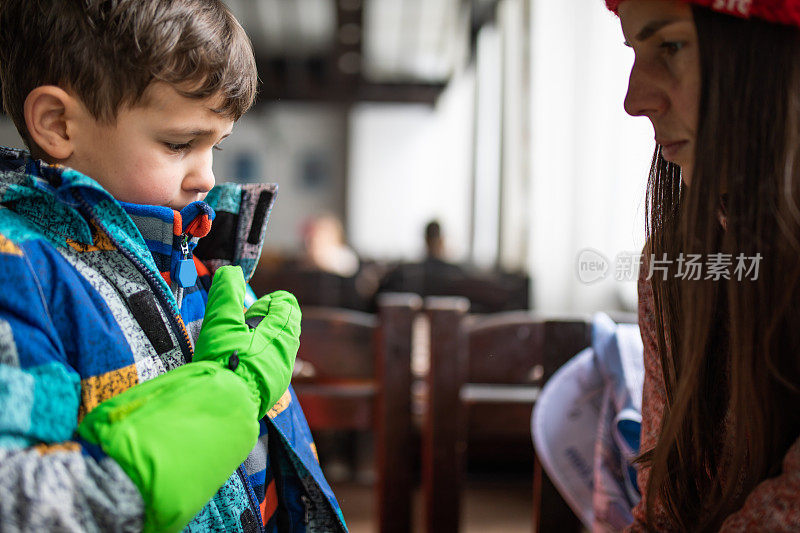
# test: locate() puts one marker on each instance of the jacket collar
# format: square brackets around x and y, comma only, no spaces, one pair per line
[243,210]
[166,231]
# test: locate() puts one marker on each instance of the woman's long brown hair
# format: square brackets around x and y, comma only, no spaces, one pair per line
[730,349]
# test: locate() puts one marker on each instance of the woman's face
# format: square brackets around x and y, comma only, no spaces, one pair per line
[664,84]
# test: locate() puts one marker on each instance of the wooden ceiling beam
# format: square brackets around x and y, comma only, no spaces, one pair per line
[336,77]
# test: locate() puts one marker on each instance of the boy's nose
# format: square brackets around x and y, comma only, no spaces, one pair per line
[200,178]
[644,97]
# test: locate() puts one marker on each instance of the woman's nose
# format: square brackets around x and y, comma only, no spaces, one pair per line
[644,97]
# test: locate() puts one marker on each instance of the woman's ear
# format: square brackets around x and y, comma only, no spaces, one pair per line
[50,113]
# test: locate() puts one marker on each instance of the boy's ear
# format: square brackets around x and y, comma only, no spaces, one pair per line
[50,113]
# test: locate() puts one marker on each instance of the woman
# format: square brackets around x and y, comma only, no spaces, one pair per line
[721,410]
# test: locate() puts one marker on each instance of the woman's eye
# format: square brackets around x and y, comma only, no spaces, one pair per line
[217,147]
[178,147]
[671,47]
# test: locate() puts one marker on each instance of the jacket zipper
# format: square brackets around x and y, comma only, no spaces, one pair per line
[307,509]
[253,499]
[185,246]
[185,255]
[176,320]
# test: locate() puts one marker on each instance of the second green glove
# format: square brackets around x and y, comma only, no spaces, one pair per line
[263,356]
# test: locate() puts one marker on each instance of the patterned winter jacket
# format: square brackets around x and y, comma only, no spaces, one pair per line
[97,296]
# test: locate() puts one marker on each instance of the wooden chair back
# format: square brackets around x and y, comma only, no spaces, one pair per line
[485,374]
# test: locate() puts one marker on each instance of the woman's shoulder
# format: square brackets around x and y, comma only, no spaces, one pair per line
[774,505]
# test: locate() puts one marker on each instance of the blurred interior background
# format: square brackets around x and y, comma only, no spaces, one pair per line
[502,120]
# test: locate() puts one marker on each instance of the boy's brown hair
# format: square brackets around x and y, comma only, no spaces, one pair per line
[107,52]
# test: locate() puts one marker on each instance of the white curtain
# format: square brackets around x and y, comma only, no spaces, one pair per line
[589,160]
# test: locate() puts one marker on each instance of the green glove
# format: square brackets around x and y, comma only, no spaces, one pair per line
[262,356]
[178,437]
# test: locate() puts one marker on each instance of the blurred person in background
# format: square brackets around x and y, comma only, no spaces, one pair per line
[436,250]
[326,249]
[719,80]
[434,243]
[428,276]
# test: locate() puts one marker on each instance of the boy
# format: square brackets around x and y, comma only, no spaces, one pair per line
[117,410]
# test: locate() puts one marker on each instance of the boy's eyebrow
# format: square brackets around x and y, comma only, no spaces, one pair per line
[194,132]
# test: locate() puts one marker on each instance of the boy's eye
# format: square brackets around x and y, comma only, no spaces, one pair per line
[178,147]
[671,47]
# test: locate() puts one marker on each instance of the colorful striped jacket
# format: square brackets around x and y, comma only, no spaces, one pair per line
[97,296]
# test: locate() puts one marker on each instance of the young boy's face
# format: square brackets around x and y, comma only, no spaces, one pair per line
[158,152]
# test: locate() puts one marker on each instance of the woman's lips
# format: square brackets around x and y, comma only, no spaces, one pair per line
[670,150]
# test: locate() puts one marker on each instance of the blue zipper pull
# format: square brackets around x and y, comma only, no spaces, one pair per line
[184,271]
